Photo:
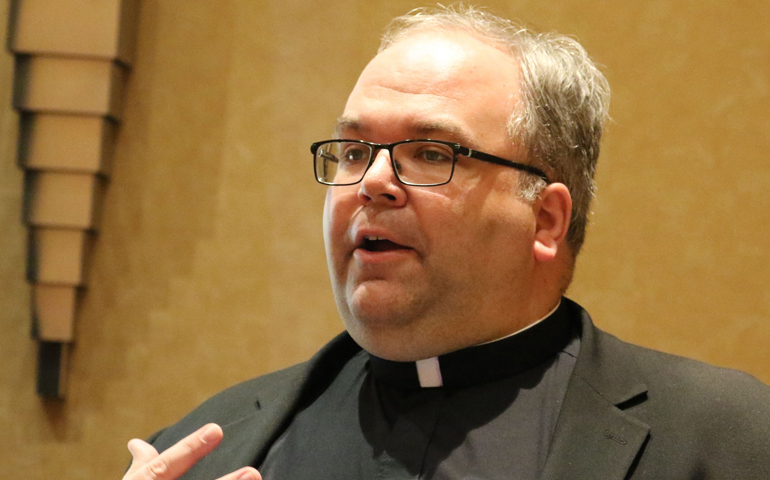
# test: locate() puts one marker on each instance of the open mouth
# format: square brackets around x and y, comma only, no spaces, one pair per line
[379,244]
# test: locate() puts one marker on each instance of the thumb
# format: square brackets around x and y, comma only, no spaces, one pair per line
[142,452]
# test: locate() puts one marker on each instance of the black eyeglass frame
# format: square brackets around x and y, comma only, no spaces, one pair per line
[457,149]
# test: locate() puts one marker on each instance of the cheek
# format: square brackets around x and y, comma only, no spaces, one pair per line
[509,216]
[339,207]
[332,225]
[454,229]
[492,225]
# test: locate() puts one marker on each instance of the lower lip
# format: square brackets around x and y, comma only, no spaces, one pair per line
[367,256]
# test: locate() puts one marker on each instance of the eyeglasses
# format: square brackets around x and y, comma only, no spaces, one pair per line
[420,163]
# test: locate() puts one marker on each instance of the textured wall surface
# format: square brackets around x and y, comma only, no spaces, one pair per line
[209,267]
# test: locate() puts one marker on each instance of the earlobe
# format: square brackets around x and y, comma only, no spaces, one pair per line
[553,210]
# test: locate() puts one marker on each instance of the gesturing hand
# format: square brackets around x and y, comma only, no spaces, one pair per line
[174,462]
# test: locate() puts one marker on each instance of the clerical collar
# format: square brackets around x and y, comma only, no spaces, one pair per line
[483,363]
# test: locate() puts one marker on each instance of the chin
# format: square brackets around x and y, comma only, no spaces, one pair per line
[380,306]
[401,341]
[387,346]
[385,322]
[384,335]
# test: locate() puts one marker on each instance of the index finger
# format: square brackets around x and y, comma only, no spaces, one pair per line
[175,461]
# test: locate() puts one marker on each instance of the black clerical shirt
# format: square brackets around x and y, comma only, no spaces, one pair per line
[489,413]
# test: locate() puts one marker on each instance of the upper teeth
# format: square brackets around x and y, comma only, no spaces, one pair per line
[372,238]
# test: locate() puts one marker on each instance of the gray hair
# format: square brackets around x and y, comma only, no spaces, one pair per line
[564,101]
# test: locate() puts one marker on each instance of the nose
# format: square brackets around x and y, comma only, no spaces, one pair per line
[380,184]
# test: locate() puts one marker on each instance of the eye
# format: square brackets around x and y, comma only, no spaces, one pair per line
[433,154]
[352,153]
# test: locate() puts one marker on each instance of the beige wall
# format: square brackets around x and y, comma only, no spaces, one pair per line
[209,267]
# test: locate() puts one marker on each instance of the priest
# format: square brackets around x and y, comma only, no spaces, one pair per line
[459,182]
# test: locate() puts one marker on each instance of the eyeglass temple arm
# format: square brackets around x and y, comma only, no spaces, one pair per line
[501,161]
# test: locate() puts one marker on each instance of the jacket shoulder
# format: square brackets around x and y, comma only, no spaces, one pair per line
[714,420]
[698,383]
[231,404]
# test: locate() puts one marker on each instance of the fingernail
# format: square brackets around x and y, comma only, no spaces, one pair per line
[247,475]
[210,434]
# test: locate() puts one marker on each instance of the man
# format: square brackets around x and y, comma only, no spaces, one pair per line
[460,180]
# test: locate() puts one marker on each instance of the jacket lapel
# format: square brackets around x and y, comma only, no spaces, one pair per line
[594,438]
[247,440]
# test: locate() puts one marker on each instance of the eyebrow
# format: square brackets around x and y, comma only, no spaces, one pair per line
[421,129]
[347,123]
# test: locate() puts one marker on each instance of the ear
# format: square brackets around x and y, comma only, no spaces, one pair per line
[553,210]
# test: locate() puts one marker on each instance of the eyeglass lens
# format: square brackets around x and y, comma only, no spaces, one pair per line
[423,163]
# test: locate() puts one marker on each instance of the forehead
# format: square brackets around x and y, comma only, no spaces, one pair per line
[435,82]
